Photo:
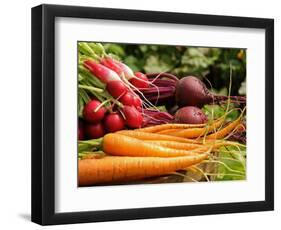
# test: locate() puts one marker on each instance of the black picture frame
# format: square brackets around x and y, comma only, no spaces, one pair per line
[43,110]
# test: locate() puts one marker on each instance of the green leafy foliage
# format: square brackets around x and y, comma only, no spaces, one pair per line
[216,111]
[233,164]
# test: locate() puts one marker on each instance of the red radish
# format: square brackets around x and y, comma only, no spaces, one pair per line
[140,80]
[101,72]
[93,112]
[127,99]
[190,115]
[114,122]
[128,72]
[111,64]
[119,67]
[81,134]
[116,88]
[192,91]
[133,118]
[94,131]
[137,102]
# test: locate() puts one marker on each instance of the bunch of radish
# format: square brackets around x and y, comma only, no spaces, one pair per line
[99,120]
[121,107]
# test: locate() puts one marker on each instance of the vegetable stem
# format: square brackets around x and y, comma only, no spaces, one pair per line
[91,88]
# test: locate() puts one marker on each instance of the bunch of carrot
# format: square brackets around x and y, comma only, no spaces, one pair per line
[158,150]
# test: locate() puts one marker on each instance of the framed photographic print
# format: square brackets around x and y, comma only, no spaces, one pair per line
[143,114]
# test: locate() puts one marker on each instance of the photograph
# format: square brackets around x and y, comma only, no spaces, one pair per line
[154,108]
[156,114]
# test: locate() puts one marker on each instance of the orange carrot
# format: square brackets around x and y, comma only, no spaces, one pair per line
[189,133]
[155,136]
[197,132]
[225,131]
[196,148]
[112,169]
[120,145]
[167,131]
[158,128]
[176,145]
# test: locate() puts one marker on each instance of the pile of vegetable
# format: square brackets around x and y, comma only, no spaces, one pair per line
[136,126]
